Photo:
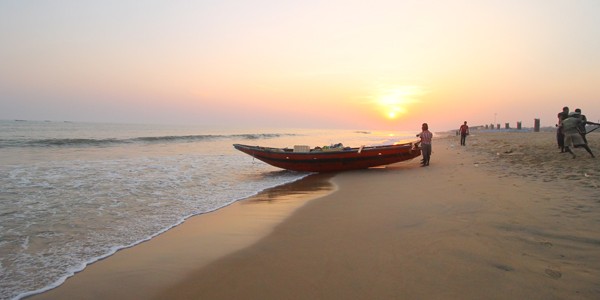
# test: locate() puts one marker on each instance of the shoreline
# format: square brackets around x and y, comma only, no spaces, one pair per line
[483,221]
[151,266]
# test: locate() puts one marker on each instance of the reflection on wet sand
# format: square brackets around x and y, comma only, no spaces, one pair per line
[313,185]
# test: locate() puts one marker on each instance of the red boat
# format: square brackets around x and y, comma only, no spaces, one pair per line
[303,159]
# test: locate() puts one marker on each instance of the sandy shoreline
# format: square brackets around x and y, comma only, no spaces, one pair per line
[506,217]
[142,271]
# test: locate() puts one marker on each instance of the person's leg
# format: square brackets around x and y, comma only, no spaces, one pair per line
[560,137]
[567,143]
[568,149]
[426,152]
[587,148]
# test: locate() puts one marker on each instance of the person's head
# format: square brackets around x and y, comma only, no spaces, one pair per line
[566,109]
[425,126]
[578,110]
[465,122]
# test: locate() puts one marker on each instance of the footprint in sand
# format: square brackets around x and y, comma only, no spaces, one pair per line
[553,274]
[546,243]
[504,268]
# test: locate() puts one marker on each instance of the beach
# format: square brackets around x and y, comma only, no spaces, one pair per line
[505,217]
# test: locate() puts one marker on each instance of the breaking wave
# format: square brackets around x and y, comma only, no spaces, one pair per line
[90,142]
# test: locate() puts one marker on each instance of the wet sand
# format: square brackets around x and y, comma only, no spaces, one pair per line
[143,271]
[506,217]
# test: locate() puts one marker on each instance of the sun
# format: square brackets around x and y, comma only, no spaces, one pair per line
[394,102]
[392,106]
[394,111]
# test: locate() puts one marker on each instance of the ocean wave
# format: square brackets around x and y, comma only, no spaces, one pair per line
[90,142]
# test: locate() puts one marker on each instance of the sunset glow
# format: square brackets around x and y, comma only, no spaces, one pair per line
[330,64]
[396,102]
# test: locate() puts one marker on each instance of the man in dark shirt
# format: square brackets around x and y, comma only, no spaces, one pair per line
[560,137]
[581,127]
[464,131]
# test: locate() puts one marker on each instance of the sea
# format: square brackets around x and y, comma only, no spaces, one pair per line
[74,193]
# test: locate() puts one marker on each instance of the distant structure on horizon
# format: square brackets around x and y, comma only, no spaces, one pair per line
[536,126]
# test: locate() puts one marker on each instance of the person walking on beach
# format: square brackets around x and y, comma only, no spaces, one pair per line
[464,131]
[560,137]
[426,137]
[570,129]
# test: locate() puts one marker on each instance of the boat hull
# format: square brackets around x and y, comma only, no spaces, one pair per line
[332,161]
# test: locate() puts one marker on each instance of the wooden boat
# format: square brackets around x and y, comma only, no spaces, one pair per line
[303,159]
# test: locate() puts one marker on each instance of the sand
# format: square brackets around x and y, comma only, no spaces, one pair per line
[506,217]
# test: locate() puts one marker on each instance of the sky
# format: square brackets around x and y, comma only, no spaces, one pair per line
[381,65]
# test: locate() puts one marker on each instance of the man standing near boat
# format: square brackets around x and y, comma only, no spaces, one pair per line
[426,137]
